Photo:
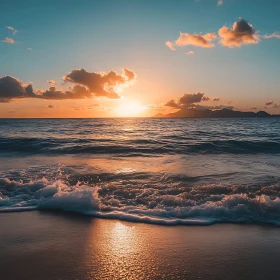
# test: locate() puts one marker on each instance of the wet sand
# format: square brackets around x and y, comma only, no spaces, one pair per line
[46,245]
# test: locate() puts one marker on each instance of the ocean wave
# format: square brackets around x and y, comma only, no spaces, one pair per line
[135,147]
[198,205]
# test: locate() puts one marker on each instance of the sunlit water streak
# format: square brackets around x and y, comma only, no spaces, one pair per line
[173,171]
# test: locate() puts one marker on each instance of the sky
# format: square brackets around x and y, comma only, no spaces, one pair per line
[122,58]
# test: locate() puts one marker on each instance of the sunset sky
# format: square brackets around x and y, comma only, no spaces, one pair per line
[57,56]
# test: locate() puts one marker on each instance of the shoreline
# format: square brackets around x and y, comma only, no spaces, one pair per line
[141,220]
[59,245]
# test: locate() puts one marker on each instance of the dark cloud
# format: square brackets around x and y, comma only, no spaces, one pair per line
[190,98]
[173,104]
[101,84]
[218,107]
[215,99]
[186,100]
[241,33]
[13,88]
[253,108]
[76,92]
[50,106]
[269,103]
[192,101]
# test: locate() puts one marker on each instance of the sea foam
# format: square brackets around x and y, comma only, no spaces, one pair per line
[201,205]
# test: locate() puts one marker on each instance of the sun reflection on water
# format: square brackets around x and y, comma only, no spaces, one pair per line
[123,253]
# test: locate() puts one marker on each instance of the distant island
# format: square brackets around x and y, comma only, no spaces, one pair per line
[206,113]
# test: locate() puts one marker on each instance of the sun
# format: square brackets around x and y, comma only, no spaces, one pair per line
[130,109]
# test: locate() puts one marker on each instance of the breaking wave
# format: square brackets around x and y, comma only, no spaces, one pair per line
[197,205]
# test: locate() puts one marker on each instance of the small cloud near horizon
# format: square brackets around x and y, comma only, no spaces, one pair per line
[188,100]
[269,103]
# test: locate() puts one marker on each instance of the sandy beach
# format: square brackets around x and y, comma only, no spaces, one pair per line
[47,245]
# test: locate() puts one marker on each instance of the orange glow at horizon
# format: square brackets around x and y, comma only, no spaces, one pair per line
[130,109]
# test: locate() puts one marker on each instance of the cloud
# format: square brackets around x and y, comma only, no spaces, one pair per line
[241,33]
[269,103]
[9,40]
[101,84]
[190,98]
[189,52]
[253,108]
[273,35]
[12,29]
[52,82]
[197,40]
[13,88]
[215,99]
[76,92]
[86,85]
[173,104]
[191,101]
[220,3]
[29,49]
[170,45]
[50,106]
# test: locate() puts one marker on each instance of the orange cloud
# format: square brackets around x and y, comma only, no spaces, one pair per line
[52,82]
[220,3]
[170,45]
[197,40]
[9,40]
[101,84]
[241,33]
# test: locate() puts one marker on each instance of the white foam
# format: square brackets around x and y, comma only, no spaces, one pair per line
[198,206]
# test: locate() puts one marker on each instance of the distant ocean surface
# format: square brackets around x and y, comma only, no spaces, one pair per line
[162,171]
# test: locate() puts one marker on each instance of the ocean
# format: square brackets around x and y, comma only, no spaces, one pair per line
[160,171]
